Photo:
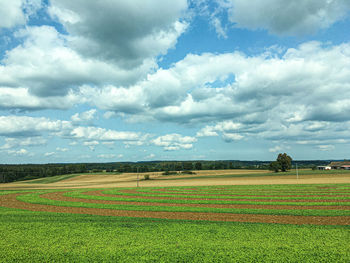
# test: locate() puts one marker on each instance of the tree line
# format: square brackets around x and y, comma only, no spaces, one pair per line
[16,172]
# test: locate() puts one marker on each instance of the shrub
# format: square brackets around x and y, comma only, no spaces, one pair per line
[188,172]
[169,173]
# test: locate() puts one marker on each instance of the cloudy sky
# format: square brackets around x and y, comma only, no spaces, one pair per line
[113,80]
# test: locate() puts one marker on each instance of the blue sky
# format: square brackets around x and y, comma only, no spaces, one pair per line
[103,81]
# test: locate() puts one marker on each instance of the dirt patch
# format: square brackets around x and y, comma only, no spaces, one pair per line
[11,201]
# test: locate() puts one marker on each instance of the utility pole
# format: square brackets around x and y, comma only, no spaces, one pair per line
[296,166]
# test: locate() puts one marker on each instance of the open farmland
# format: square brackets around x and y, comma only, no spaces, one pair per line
[271,222]
[200,178]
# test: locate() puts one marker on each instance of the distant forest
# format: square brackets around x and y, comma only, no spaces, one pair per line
[17,172]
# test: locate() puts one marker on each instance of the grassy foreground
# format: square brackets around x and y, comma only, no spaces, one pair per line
[46,237]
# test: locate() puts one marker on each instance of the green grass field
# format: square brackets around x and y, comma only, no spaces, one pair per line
[28,236]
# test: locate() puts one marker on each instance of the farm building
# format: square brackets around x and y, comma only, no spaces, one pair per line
[340,165]
[345,167]
[324,168]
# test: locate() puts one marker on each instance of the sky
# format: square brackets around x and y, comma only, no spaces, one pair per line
[110,81]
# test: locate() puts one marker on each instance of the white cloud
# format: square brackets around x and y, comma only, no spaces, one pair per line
[229,130]
[150,156]
[106,156]
[11,13]
[272,96]
[101,134]
[21,152]
[16,142]
[275,149]
[44,66]
[125,32]
[21,98]
[91,143]
[326,147]
[27,126]
[171,142]
[59,149]
[229,137]
[207,131]
[84,117]
[216,22]
[49,154]
[284,17]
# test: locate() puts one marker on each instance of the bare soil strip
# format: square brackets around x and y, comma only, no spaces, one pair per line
[11,202]
[59,196]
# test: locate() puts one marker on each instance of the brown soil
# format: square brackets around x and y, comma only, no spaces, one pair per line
[59,196]
[11,201]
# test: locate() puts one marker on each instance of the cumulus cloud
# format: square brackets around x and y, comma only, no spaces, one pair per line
[117,46]
[207,131]
[11,13]
[285,17]
[272,96]
[14,126]
[16,12]
[84,117]
[230,131]
[21,98]
[20,142]
[44,66]
[125,32]
[101,134]
[21,152]
[271,92]
[171,142]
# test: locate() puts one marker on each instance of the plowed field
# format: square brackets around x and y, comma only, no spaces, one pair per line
[284,204]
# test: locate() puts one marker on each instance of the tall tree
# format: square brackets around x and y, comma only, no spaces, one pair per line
[284,161]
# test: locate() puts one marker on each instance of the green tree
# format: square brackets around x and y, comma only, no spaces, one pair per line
[187,166]
[274,166]
[284,161]
[198,166]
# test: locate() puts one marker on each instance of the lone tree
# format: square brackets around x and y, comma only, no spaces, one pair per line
[274,166]
[283,163]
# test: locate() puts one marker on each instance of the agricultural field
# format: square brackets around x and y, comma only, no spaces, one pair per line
[208,223]
[200,178]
